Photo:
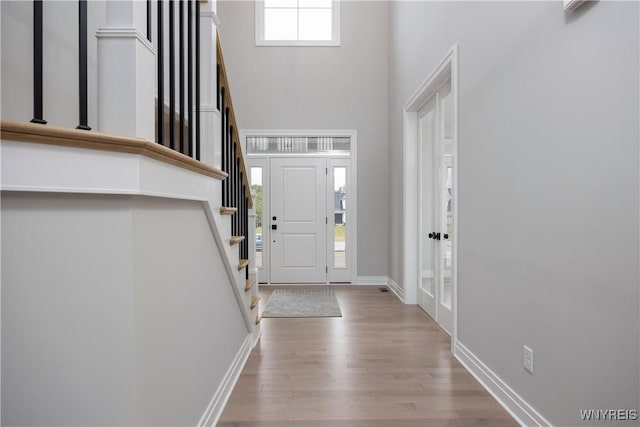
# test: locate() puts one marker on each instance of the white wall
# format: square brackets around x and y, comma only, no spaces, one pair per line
[67,311]
[188,326]
[321,88]
[548,189]
[116,310]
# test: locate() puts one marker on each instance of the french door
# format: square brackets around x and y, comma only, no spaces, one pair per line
[436,190]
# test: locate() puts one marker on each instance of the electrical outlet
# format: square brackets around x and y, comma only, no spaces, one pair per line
[528,359]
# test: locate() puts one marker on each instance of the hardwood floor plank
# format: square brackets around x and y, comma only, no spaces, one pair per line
[382,364]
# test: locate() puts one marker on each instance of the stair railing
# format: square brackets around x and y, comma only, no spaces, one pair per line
[236,190]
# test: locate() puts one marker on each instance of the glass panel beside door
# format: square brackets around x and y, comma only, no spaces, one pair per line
[256,187]
[339,221]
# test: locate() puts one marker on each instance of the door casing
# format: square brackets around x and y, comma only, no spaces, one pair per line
[446,70]
[262,160]
[431,204]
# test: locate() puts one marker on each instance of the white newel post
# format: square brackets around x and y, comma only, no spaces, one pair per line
[210,147]
[126,72]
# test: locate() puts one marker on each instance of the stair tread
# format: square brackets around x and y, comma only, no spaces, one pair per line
[254,301]
[243,263]
[234,240]
[249,284]
[225,210]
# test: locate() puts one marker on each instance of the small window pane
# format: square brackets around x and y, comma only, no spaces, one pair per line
[340,217]
[297,144]
[292,4]
[315,24]
[280,24]
[306,4]
[256,185]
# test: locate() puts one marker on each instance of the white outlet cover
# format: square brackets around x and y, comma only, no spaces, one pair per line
[528,359]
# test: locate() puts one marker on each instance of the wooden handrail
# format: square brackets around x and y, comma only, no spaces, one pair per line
[30,132]
[224,82]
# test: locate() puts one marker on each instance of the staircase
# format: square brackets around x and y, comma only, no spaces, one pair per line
[237,202]
[155,168]
[247,285]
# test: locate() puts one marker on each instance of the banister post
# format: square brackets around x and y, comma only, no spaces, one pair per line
[126,72]
[210,148]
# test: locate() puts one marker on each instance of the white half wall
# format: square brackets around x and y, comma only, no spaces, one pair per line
[116,310]
[68,350]
[188,326]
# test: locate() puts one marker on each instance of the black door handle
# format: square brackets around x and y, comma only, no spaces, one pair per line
[446,236]
[431,235]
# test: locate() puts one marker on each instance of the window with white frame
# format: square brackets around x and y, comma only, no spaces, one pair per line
[297,22]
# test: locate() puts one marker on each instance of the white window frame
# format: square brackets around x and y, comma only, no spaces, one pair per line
[335,29]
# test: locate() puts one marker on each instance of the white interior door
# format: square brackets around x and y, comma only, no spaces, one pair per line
[436,189]
[297,221]
[427,189]
[446,189]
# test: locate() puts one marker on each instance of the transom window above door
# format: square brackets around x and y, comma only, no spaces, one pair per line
[297,22]
[298,145]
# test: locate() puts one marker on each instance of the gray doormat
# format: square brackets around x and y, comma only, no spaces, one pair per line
[303,303]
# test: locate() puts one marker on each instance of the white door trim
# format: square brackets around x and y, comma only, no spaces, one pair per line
[446,70]
[353,178]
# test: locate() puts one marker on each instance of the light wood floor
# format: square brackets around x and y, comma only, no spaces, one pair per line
[383,364]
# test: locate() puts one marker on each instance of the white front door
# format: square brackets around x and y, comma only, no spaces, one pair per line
[435,208]
[297,220]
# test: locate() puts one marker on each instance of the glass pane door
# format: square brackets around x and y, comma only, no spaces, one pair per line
[445,207]
[447,276]
[339,217]
[256,186]
[428,197]
[339,221]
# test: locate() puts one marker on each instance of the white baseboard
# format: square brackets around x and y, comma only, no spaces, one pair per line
[214,410]
[396,289]
[371,280]
[515,405]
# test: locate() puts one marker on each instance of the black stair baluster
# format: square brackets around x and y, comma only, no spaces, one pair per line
[172,75]
[160,55]
[37,63]
[197,65]
[181,75]
[82,65]
[189,147]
